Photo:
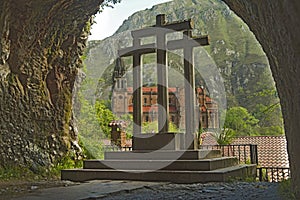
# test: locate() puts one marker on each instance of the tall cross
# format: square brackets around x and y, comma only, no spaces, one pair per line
[187,43]
[137,50]
[160,30]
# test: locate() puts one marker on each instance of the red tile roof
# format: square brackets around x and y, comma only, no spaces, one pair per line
[272,150]
[208,139]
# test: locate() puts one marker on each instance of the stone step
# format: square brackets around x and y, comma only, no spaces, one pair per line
[163,155]
[182,165]
[219,175]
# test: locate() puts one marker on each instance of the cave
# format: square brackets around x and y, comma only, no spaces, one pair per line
[41,45]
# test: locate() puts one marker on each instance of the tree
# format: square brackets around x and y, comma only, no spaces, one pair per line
[108,3]
[104,117]
[270,119]
[89,129]
[241,121]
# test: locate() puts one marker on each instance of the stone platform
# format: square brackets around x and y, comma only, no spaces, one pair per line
[194,166]
[162,155]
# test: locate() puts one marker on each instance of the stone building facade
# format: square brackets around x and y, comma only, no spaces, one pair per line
[122,102]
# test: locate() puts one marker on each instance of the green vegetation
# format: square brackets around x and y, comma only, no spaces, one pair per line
[240,121]
[152,127]
[108,3]
[89,129]
[70,161]
[93,123]
[104,116]
[17,173]
[225,136]
[285,190]
[30,173]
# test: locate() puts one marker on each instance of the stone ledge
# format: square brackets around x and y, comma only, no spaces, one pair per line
[174,176]
[180,165]
[162,155]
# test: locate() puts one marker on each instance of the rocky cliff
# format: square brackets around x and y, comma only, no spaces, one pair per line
[40,47]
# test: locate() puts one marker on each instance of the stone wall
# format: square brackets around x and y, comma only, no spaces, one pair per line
[41,43]
[276,25]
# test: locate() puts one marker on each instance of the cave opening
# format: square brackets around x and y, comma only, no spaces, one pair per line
[243,64]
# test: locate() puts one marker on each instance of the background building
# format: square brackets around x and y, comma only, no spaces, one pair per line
[122,102]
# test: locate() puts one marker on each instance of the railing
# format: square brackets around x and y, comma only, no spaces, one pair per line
[273,174]
[245,153]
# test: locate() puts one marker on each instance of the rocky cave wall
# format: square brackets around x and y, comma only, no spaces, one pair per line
[40,47]
[276,25]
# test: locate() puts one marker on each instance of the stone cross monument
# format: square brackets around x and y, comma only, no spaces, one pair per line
[187,43]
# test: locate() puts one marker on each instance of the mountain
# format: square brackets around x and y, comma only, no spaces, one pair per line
[234,53]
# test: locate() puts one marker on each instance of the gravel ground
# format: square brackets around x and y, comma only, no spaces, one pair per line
[214,191]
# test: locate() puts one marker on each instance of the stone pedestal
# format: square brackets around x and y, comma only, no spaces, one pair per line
[158,141]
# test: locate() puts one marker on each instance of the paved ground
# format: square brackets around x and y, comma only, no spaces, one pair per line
[214,191]
[109,190]
[89,190]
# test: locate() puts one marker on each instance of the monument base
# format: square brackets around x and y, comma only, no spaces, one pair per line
[158,141]
[171,155]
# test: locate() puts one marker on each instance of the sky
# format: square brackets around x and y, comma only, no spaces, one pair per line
[108,21]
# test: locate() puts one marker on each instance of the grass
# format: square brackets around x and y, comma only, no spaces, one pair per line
[23,173]
[19,180]
[285,190]
[17,173]
[68,162]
